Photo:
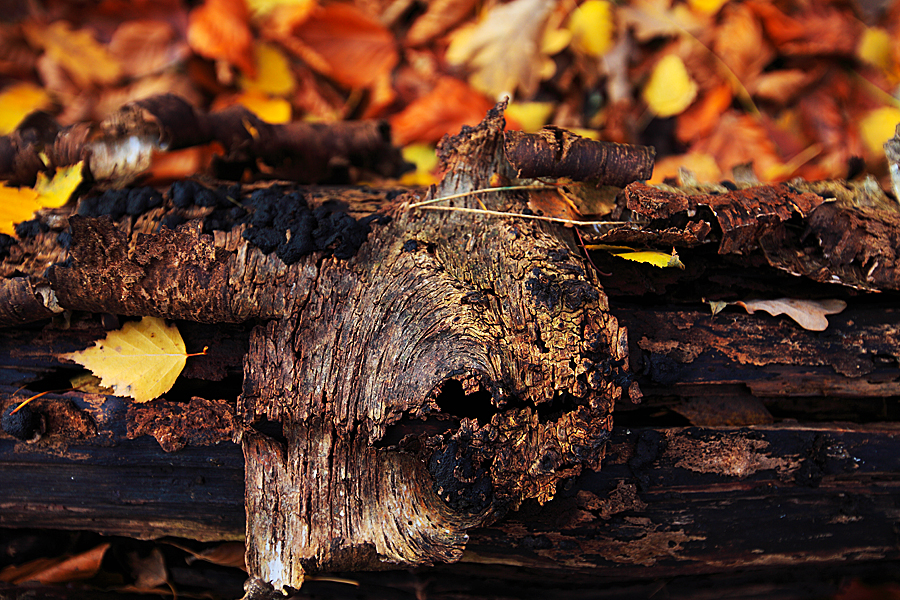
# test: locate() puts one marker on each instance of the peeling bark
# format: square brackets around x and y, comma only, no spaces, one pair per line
[119,149]
[557,153]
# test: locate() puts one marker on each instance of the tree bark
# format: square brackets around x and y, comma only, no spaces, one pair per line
[394,402]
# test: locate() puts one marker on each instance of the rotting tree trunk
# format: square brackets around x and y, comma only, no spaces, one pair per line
[495,332]
[453,369]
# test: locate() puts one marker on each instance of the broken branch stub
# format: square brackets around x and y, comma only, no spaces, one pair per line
[453,368]
[558,153]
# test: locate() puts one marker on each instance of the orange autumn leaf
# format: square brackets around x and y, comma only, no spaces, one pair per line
[146,46]
[220,30]
[56,570]
[79,54]
[700,119]
[352,48]
[449,106]
[439,17]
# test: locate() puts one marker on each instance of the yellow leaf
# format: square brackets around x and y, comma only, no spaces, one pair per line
[593,27]
[530,115]
[20,204]
[877,127]
[55,192]
[84,59]
[19,100]
[876,48]
[141,360]
[670,89]
[425,159]
[273,72]
[270,110]
[707,7]
[650,257]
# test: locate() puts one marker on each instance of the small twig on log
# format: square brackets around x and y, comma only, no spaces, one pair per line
[500,213]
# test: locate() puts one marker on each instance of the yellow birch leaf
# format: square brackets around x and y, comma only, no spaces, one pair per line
[650,257]
[876,48]
[877,127]
[530,115]
[670,89]
[19,100]
[273,72]
[141,360]
[270,110]
[426,161]
[593,27]
[20,204]
[707,7]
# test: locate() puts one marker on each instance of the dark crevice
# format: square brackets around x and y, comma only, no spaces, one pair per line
[452,400]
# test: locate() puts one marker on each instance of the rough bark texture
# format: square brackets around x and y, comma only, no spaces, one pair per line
[505,311]
[119,149]
[397,403]
[557,153]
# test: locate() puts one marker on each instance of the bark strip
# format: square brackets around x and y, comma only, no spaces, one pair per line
[558,153]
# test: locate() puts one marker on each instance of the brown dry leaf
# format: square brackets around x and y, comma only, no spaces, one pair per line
[166,167]
[149,572]
[146,46]
[84,59]
[56,570]
[552,203]
[818,29]
[440,16]
[449,106]
[783,86]
[701,117]
[740,43]
[650,19]
[503,50]
[352,48]
[809,314]
[226,554]
[754,146]
[220,30]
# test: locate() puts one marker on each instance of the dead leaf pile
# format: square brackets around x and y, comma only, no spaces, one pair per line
[805,86]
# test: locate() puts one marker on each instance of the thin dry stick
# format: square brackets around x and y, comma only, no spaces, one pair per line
[498,213]
[482,191]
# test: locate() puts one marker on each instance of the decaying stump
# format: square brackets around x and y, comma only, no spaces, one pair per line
[450,369]
[455,367]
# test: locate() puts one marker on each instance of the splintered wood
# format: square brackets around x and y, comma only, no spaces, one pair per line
[504,311]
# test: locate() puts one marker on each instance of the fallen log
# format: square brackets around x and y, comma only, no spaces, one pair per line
[400,383]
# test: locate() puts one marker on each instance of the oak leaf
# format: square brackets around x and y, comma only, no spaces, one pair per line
[20,204]
[809,314]
[503,49]
[142,360]
[83,58]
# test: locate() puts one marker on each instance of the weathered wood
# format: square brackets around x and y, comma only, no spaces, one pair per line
[667,503]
